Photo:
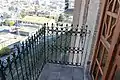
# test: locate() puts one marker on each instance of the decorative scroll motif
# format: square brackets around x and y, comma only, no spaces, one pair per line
[110,33]
[109,4]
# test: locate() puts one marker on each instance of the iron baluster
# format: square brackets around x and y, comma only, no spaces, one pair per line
[40,44]
[10,67]
[15,62]
[77,46]
[42,62]
[21,67]
[24,60]
[35,56]
[2,71]
[69,46]
[37,53]
[61,45]
[44,43]
[48,44]
[27,55]
[56,45]
[32,63]
[41,48]
[52,45]
[34,53]
[65,47]
[72,47]
[73,52]
[74,44]
[77,58]
[80,47]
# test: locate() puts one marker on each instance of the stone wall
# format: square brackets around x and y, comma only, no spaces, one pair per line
[89,15]
[77,9]
[92,21]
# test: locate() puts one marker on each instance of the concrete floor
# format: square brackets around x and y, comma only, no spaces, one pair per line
[61,72]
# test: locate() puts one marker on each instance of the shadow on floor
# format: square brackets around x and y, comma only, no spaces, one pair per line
[61,72]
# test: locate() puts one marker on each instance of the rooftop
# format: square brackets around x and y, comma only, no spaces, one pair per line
[10,39]
[36,19]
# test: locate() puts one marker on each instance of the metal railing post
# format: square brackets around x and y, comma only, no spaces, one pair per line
[44,42]
[2,73]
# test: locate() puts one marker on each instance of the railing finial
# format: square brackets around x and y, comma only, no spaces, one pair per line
[44,24]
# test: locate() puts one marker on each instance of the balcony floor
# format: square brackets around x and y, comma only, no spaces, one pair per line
[61,72]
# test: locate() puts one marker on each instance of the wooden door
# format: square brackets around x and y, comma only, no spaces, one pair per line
[104,56]
[115,71]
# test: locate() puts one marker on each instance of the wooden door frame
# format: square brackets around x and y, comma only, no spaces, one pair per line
[113,43]
[117,59]
[102,11]
[112,47]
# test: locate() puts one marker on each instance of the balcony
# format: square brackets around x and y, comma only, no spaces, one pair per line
[52,53]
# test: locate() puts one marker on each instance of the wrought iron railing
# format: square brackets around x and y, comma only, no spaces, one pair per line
[53,44]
